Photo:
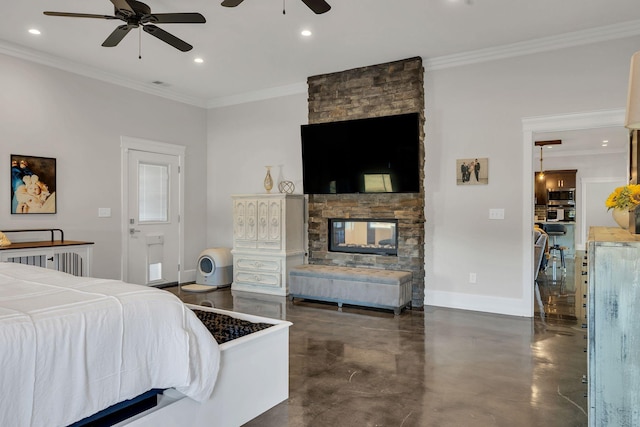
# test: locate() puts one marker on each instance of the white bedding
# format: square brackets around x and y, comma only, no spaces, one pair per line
[72,346]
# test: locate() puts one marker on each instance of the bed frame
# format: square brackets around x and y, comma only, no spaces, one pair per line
[253,377]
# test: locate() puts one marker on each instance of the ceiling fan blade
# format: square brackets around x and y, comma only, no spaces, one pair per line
[79,15]
[173,18]
[231,3]
[318,6]
[167,37]
[123,6]
[117,35]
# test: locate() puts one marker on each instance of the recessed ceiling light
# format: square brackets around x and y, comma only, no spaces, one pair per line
[34,31]
[605,142]
[305,33]
[198,60]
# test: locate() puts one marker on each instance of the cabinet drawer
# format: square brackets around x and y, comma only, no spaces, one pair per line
[247,244]
[251,264]
[269,244]
[258,278]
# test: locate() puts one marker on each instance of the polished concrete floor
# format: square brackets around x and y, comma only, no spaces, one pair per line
[437,367]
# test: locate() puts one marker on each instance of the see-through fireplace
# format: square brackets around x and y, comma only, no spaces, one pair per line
[364,236]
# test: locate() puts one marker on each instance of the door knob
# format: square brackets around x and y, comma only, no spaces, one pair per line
[133,230]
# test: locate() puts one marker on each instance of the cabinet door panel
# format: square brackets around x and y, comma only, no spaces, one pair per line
[240,219]
[275,220]
[263,220]
[540,190]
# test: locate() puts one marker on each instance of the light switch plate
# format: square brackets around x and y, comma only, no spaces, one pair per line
[496,213]
[104,212]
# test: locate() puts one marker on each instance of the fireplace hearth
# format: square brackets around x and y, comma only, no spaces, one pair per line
[363,236]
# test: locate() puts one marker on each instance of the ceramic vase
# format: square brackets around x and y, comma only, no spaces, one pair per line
[268,181]
[621,217]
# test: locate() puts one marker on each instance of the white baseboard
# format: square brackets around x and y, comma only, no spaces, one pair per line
[497,305]
[188,276]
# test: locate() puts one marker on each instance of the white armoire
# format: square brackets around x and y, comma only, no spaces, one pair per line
[268,239]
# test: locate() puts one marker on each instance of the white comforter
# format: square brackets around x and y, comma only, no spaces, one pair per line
[72,346]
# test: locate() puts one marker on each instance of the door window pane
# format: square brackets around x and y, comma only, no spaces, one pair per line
[153,193]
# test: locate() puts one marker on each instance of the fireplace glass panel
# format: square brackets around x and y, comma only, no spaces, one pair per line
[367,236]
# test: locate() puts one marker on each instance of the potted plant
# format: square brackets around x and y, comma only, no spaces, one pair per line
[623,201]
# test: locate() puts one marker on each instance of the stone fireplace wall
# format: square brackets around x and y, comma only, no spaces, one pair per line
[373,91]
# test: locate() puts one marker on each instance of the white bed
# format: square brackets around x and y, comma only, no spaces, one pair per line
[72,346]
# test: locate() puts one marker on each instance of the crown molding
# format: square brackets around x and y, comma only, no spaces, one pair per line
[577,38]
[258,95]
[39,57]
[603,152]
[574,121]
[544,44]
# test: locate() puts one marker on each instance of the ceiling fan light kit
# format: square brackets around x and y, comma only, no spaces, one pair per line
[137,14]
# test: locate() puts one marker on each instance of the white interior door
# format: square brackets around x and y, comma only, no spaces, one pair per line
[152,217]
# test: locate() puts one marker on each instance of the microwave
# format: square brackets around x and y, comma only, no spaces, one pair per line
[561,196]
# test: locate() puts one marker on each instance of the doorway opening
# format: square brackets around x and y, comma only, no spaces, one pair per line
[531,127]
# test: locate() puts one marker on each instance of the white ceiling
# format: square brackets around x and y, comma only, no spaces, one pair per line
[584,142]
[254,48]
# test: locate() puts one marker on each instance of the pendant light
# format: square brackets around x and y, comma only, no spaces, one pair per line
[541,174]
[541,144]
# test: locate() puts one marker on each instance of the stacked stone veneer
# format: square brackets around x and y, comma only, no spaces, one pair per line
[373,91]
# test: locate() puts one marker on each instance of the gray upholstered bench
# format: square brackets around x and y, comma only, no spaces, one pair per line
[368,287]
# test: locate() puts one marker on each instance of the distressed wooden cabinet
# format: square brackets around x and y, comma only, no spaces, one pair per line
[613,327]
[268,239]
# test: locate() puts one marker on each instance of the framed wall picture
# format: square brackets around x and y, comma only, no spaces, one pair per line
[33,185]
[472,171]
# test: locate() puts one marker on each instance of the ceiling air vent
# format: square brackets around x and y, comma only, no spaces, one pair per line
[159,83]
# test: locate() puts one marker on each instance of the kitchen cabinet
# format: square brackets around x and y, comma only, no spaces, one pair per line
[540,189]
[613,327]
[557,179]
[268,239]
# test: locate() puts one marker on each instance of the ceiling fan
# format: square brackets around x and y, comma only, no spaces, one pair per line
[137,14]
[318,6]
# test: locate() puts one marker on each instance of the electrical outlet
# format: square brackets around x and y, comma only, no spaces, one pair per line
[496,213]
[472,277]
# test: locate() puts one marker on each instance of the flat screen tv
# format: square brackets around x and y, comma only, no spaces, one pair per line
[375,155]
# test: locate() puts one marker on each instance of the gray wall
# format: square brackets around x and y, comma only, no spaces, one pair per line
[471,111]
[79,121]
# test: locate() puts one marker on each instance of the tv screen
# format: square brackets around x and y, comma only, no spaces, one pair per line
[376,155]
